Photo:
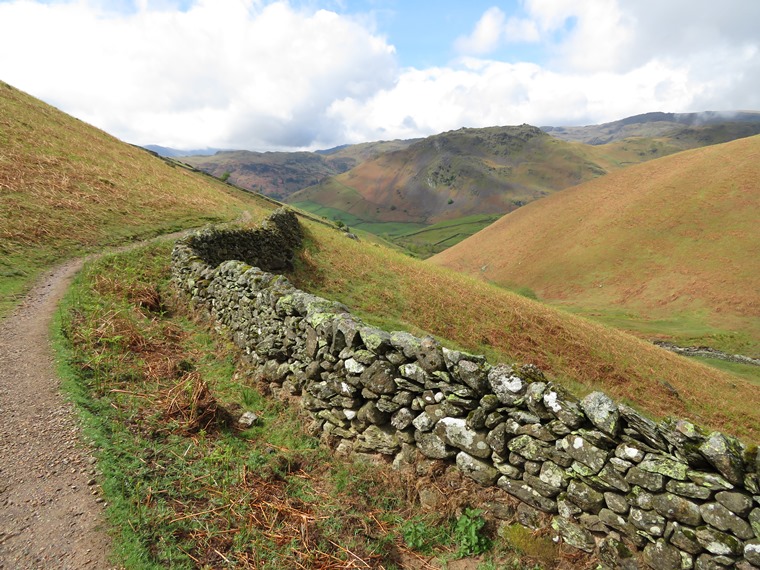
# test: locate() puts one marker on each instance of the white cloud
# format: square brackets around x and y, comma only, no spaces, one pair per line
[223,73]
[487,34]
[519,30]
[264,75]
[482,93]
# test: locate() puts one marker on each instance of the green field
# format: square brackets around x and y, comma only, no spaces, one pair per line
[419,239]
[387,230]
[433,239]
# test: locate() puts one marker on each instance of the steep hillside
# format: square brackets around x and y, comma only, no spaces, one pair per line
[67,187]
[675,238]
[689,130]
[280,174]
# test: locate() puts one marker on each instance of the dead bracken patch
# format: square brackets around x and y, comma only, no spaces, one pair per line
[191,404]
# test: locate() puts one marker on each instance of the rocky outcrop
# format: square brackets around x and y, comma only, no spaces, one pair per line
[616,481]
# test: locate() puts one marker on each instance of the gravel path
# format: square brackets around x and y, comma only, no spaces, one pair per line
[50,513]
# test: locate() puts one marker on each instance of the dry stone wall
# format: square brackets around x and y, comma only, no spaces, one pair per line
[615,481]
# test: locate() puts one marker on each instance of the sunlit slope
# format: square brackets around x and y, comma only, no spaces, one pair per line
[67,187]
[676,236]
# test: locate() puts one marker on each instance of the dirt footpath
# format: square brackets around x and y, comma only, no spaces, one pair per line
[50,514]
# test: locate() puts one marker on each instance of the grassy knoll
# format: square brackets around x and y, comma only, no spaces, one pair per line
[186,489]
[667,248]
[396,291]
[67,188]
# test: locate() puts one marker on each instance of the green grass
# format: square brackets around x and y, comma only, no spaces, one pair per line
[435,238]
[418,239]
[691,328]
[746,371]
[387,230]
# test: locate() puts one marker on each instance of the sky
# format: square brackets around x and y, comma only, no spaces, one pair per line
[310,74]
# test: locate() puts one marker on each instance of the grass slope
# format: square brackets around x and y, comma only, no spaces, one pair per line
[67,188]
[394,291]
[670,245]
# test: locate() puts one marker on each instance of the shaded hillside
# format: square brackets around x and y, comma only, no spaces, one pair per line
[691,130]
[67,187]
[454,174]
[675,237]
[280,174]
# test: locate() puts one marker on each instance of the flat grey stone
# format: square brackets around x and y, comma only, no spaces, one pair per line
[454,432]
[721,518]
[652,481]
[717,542]
[602,412]
[648,521]
[664,465]
[677,508]
[752,551]
[480,471]
[573,534]
[725,454]
[585,497]
[432,446]
[507,386]
[683,537]
[525,493]
[581,450]
[738,503]
[662,556]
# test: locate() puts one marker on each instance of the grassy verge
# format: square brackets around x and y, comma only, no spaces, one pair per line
[158,392]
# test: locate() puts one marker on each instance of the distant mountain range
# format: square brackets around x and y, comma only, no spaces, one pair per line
[280,174]
[168,152]
[726,126]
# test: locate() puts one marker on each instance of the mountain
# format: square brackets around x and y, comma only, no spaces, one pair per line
[690,129]
[673,238]
[454,174]
[279,174]
[444,188]
[168,152]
